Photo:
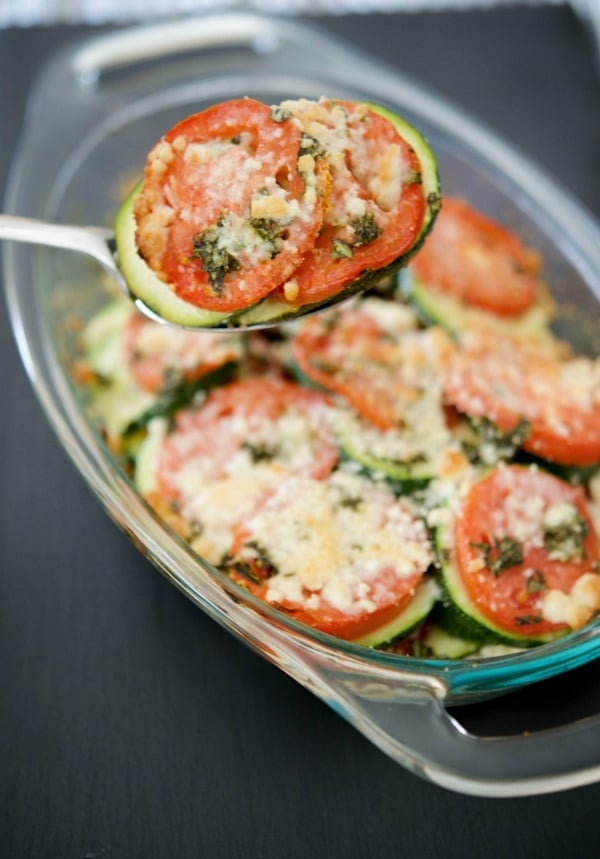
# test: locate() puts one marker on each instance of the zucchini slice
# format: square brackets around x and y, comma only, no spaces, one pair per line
[408,619]
[406,476]
[439,644]
[159,297]
[459,615]
[456,316]
[145,284]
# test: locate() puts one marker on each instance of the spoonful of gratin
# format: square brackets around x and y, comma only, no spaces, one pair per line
[248,215]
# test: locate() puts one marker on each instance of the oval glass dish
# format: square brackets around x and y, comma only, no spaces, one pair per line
[101,106]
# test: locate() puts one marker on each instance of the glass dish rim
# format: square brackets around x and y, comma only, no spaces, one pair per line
[116,491]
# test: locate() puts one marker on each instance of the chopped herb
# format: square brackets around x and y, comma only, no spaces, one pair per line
[525,619]
[493,444]
[536,583]
[269,231]
[434,201]
[365,229]
[565,541]
[196,529]
[216,260]
[501,554]
[256,568]
[259,452]
[409,461]
[341,250]
[351,502]
[261,559]
[413,177]
[280,114]
[309,145]
[242,568]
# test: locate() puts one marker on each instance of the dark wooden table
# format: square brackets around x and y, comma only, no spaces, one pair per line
[130,724]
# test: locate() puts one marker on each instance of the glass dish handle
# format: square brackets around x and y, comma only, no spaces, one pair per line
[153,42]
[414,728]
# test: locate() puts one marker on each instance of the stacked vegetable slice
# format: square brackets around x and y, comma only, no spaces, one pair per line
[249,213]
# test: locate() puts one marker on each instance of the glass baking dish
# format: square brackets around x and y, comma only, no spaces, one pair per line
[96,111]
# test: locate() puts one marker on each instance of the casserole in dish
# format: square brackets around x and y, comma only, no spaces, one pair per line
[117,94]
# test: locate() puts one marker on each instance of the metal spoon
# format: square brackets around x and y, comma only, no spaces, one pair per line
[99,243]
[95,242]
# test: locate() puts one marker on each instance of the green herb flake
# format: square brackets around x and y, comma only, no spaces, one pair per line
[280,114]
[366,229]
[536,582]
[269,232]
[493,444]
[260,452]
[501,554]
[309,145]
[351,502]
[413,177]
[565,541]
[261,559]
[527,619]
[217,261]
[341,250]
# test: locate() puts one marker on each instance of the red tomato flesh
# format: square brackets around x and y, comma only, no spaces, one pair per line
[351,354]
[158,355]
[244,414]
[376,153]
[507,381]
[211,166]
[511,502]
[375,588]
[472,257]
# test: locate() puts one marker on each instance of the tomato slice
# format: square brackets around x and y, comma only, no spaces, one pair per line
[472,257]
[507,381]
[341,555]
[381,369]
[223,215]
[160,356]
[376,204]
[267,424]
[512,546]
[221,458]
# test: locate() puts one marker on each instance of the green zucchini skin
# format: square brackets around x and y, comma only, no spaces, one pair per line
[403,477]
[121,404]
[457,613]
[158,296]
[454,315]
[439,644]
[144,283]
[407,620]
[170,400]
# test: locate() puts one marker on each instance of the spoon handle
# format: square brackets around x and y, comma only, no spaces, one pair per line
[18,229]
[92,241]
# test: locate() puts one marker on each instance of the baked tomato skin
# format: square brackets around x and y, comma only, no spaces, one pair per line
[223,215]
[339,554]
[327,618]
[507,554]
[379,369]
[233,417]
[476,259]
[375,209]
[160,356]
[509,382]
